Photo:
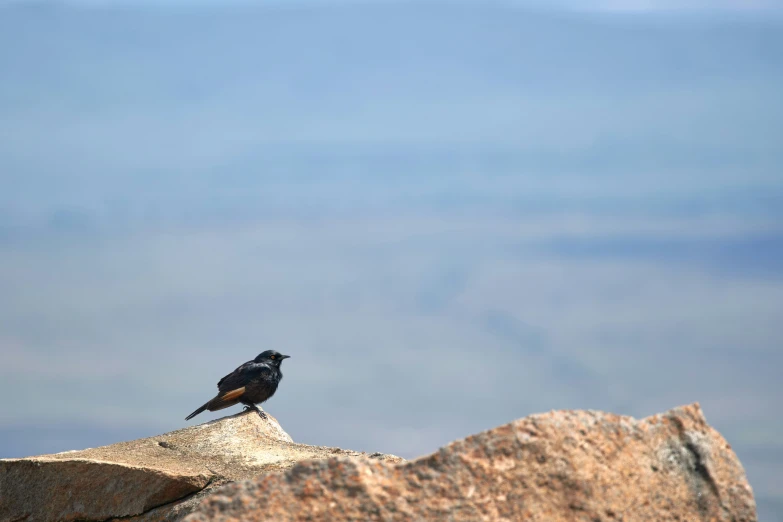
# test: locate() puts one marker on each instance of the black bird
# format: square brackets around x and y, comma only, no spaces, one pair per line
[252,383]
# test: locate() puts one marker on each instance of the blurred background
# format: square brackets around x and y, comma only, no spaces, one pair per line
[451,215]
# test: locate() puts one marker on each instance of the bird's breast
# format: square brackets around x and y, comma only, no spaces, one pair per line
[261,389]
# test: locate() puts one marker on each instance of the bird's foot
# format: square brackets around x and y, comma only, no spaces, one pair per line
[257,410]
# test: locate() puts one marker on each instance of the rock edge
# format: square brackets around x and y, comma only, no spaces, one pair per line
[155,478]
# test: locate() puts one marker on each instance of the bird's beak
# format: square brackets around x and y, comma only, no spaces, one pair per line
[285,356]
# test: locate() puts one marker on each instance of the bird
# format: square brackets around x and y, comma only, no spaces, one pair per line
[251,383]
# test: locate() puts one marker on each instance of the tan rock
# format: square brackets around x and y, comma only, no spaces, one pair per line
[158,478]
[558,466]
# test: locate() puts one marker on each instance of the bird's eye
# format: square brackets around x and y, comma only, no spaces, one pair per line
[271,356]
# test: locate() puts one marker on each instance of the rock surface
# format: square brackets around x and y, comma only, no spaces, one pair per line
[558,466]
[158,478]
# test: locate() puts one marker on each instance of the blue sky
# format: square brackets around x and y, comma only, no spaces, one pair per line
[467,212]
[587,5]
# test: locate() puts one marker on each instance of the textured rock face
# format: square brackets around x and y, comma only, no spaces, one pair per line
[159,478]
[566,465]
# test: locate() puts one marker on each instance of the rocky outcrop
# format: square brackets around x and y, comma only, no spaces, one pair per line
[563,465]
[559,466]
[158,478]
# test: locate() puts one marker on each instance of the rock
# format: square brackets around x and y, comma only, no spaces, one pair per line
[558,466]
[158,478]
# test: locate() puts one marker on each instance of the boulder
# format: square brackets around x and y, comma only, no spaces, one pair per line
[157,478]
[558,466]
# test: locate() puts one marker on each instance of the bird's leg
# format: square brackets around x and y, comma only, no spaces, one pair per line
[254,407]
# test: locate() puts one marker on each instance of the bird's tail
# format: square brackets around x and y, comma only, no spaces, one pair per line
[204,407]
[222,400]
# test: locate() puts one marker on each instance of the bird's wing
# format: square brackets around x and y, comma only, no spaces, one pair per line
[233,377]
[233,394]
[240,377]
[225,399]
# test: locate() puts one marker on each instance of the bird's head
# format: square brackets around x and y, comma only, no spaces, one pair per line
[271,357]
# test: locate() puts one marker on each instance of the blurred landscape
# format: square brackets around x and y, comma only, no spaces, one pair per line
[451,215]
